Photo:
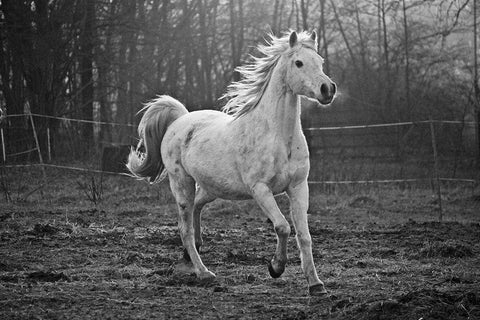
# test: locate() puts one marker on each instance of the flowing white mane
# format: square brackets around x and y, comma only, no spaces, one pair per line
[245,94]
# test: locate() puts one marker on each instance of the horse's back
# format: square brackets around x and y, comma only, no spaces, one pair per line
[203,125]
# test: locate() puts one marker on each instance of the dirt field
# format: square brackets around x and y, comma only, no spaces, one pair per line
[67,255]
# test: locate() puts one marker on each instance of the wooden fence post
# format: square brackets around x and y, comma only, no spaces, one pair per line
[4,154]
[40,158]
[49,146]
[435,168]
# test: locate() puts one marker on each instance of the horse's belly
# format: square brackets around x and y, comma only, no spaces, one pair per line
[222,186]
[216,173]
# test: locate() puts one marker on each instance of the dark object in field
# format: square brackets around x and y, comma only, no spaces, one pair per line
[41,230]
[42,276]
[115,157]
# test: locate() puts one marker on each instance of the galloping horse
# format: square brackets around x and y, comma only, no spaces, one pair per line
[255,148]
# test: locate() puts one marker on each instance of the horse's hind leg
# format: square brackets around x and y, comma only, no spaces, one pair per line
[183,188]
[201,199]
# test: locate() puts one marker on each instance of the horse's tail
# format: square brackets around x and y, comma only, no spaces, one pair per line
[145,162]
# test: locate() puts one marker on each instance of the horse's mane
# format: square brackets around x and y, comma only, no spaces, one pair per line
[244,95]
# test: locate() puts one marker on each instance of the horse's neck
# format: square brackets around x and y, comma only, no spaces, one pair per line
[278,111]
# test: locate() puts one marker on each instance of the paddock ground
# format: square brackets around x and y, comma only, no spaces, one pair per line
[380,251]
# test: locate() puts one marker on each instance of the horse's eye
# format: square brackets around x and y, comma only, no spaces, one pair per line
[299,63]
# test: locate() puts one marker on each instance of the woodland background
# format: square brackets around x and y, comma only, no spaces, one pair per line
[99,60]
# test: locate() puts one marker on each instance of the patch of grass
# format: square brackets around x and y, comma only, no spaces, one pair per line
[446,249]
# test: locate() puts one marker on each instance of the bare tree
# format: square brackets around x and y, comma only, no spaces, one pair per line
[323,36]
[236,34]
[86,69]
[476,87]
[304,5]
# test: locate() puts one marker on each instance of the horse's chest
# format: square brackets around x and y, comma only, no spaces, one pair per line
[289,172]
[277,168]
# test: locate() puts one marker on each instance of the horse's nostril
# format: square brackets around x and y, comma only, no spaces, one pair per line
[324,89]
[334,88]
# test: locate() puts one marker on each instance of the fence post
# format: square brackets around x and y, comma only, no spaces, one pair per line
[49,146]
[38,145]
[4,154]
[435,168]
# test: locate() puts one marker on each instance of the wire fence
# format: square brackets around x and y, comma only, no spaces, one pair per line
[357,154]
[431,153]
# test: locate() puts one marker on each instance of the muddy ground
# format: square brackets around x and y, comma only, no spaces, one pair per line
[65,254]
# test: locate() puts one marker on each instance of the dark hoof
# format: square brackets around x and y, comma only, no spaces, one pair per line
[318,290]
[273,273]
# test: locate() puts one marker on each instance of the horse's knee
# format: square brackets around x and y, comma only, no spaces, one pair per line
[183,206]
[283,230]
[304,240]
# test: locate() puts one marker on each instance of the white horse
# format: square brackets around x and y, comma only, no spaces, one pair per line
[254,149]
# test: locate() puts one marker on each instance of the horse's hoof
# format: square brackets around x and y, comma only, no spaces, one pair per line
[206,276]
[318,290]
[184,267]
[273,273]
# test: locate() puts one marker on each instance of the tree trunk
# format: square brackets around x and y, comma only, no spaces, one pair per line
[276,7]
[361,39]
[323,37]
[206,67]
[125,70]
[304,10]
[476,87]
[236,27]
[345,38]
[104,65]
[407,65]
[86,71]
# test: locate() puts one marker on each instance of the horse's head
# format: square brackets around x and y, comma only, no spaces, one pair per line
[304,71]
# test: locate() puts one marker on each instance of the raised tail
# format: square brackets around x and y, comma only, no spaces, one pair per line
[146,161]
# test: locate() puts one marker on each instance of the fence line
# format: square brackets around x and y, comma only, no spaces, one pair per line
[71,119]
[366,126]
[385,181]
[392,181]
[379,125]
[63,167]
[395,124]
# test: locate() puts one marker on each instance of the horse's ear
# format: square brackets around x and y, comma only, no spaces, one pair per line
[314,35]
[293,39]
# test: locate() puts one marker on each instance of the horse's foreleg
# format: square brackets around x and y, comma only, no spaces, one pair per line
[298,209]
[183,188]
[264,197]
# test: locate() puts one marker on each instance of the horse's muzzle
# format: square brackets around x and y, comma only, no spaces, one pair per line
[327,92]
